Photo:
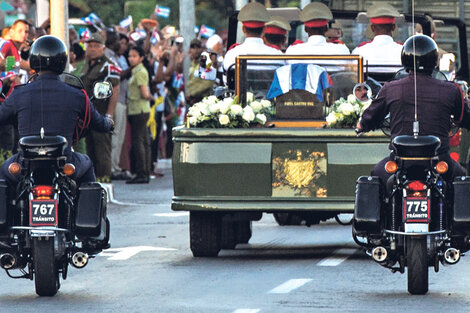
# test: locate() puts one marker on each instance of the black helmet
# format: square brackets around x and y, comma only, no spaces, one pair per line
[48,53]
[425,50]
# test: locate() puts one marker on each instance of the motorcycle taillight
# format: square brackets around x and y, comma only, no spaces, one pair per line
[43,192]
[416,185]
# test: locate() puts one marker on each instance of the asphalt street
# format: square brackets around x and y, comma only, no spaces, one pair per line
[150,268]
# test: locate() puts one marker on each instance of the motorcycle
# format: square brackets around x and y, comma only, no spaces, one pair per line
[46,222]
[418,220]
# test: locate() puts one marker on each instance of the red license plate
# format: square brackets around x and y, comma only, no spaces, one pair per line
[43,213]
[417,210]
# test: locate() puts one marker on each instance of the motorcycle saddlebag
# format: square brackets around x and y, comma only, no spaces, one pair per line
[367,205]
[461,207]
[91,209]
[3,205]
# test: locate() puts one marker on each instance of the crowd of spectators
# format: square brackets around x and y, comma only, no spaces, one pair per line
[145,67]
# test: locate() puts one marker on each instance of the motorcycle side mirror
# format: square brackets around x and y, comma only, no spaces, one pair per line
[362,92]
[102,90]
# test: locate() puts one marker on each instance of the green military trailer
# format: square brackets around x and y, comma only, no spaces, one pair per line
[293,165]
[227,177]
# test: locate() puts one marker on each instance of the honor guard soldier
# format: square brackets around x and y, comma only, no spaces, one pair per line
[275,32]
[253,17]
[99,68]
[315,16]
[382,49]
[334,33]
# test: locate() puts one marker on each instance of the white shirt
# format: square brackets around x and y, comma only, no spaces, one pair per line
[251,46]
[161,88]
[317,44]
[381,50]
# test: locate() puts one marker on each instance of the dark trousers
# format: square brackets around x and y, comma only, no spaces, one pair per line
[140,144]
[156,142]
[83,168]
[455,169]
[98,147]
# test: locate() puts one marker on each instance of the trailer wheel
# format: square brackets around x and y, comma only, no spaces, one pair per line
[228,238]
[284,219]
[205,233]
[244,231]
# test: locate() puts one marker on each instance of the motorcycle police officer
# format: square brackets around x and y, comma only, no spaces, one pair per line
[51,104]
[437,101]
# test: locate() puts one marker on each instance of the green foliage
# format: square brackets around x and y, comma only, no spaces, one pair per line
[109,11]
[146,8]
[4,155]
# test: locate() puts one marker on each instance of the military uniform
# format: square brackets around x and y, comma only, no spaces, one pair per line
[99,144]
[317,15]
[382,49]
[252,15]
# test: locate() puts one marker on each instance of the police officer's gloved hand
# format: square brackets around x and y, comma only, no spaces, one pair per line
[110,120]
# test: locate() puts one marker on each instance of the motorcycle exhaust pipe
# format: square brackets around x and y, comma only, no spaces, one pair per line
[452,256]
[379,254]
[7,261]
[79,259]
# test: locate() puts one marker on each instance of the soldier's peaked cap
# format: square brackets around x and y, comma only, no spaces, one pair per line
[277,25]
[382,13]
[96,37]
[315,14]
[253,15]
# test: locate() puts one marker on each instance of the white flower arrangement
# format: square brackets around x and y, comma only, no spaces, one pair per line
[228,113]
[346,113]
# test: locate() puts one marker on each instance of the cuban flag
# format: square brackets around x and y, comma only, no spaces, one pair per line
[126,22]
[87,20]
[162,11]
[85,34]
[94,18]
[309,77]
[206,31]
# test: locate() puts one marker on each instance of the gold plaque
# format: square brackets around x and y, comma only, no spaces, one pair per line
[299,173]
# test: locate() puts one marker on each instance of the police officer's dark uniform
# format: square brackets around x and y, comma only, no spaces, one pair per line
[51,104]
[99,144]
[437,101]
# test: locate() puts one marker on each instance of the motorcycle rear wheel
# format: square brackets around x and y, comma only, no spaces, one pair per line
[417,263]
[46,275]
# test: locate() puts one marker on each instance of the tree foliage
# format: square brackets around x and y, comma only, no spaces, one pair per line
[213,13]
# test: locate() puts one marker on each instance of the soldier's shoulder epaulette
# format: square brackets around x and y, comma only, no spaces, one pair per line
[363,43]
[233,46]
[337,41]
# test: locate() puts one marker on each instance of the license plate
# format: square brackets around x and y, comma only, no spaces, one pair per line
[416,209]
[43,213]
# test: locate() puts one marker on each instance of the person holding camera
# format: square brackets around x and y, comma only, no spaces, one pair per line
[197,88]
[14,54]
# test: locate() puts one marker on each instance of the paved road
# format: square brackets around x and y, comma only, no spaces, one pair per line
[283,269]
